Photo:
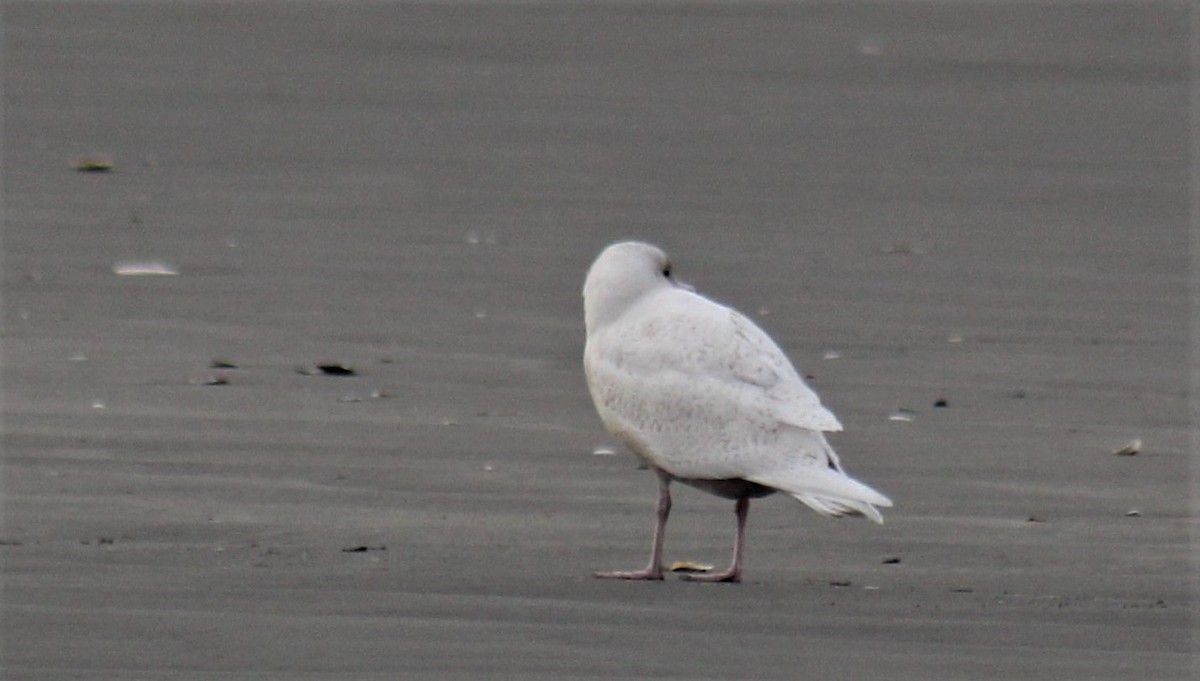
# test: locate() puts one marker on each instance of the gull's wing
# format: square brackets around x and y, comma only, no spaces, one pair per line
[757,360]
[706,346]
[696,388]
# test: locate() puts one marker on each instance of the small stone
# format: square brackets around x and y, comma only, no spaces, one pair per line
[327,369]
[92,164]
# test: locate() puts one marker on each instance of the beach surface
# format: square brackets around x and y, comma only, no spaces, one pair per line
[966,222]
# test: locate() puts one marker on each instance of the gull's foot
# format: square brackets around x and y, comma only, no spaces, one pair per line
[731,576]
[647,574]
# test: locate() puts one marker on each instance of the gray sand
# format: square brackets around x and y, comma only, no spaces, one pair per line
[974,202]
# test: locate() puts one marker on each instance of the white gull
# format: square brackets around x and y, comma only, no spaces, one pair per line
[702,395]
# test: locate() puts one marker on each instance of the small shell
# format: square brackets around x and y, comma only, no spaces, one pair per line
[1130,448]
[143,268]
[689,566]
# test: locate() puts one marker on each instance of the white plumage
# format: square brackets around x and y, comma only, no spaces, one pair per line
[704,396]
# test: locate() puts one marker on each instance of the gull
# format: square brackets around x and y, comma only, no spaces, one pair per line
[702,395]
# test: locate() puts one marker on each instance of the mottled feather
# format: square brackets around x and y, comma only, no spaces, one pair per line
[699,391]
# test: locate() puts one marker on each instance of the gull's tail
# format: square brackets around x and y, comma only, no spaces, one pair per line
[829,492]
[862,503]
[825,489]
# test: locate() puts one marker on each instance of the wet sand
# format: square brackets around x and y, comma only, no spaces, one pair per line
[976,203]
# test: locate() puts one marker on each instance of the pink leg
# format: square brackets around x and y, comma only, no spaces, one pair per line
[734,573]
[654,570]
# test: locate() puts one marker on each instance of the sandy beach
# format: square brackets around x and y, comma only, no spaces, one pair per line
[967,223]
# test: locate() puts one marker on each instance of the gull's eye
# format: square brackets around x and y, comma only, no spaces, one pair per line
[666,271]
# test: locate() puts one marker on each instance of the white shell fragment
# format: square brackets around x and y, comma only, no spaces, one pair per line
[141,268]
[1130,448]
[689,566]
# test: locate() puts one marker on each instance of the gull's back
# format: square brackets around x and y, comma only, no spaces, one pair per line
[699,391]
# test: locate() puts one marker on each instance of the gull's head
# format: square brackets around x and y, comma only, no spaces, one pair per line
[620,276]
